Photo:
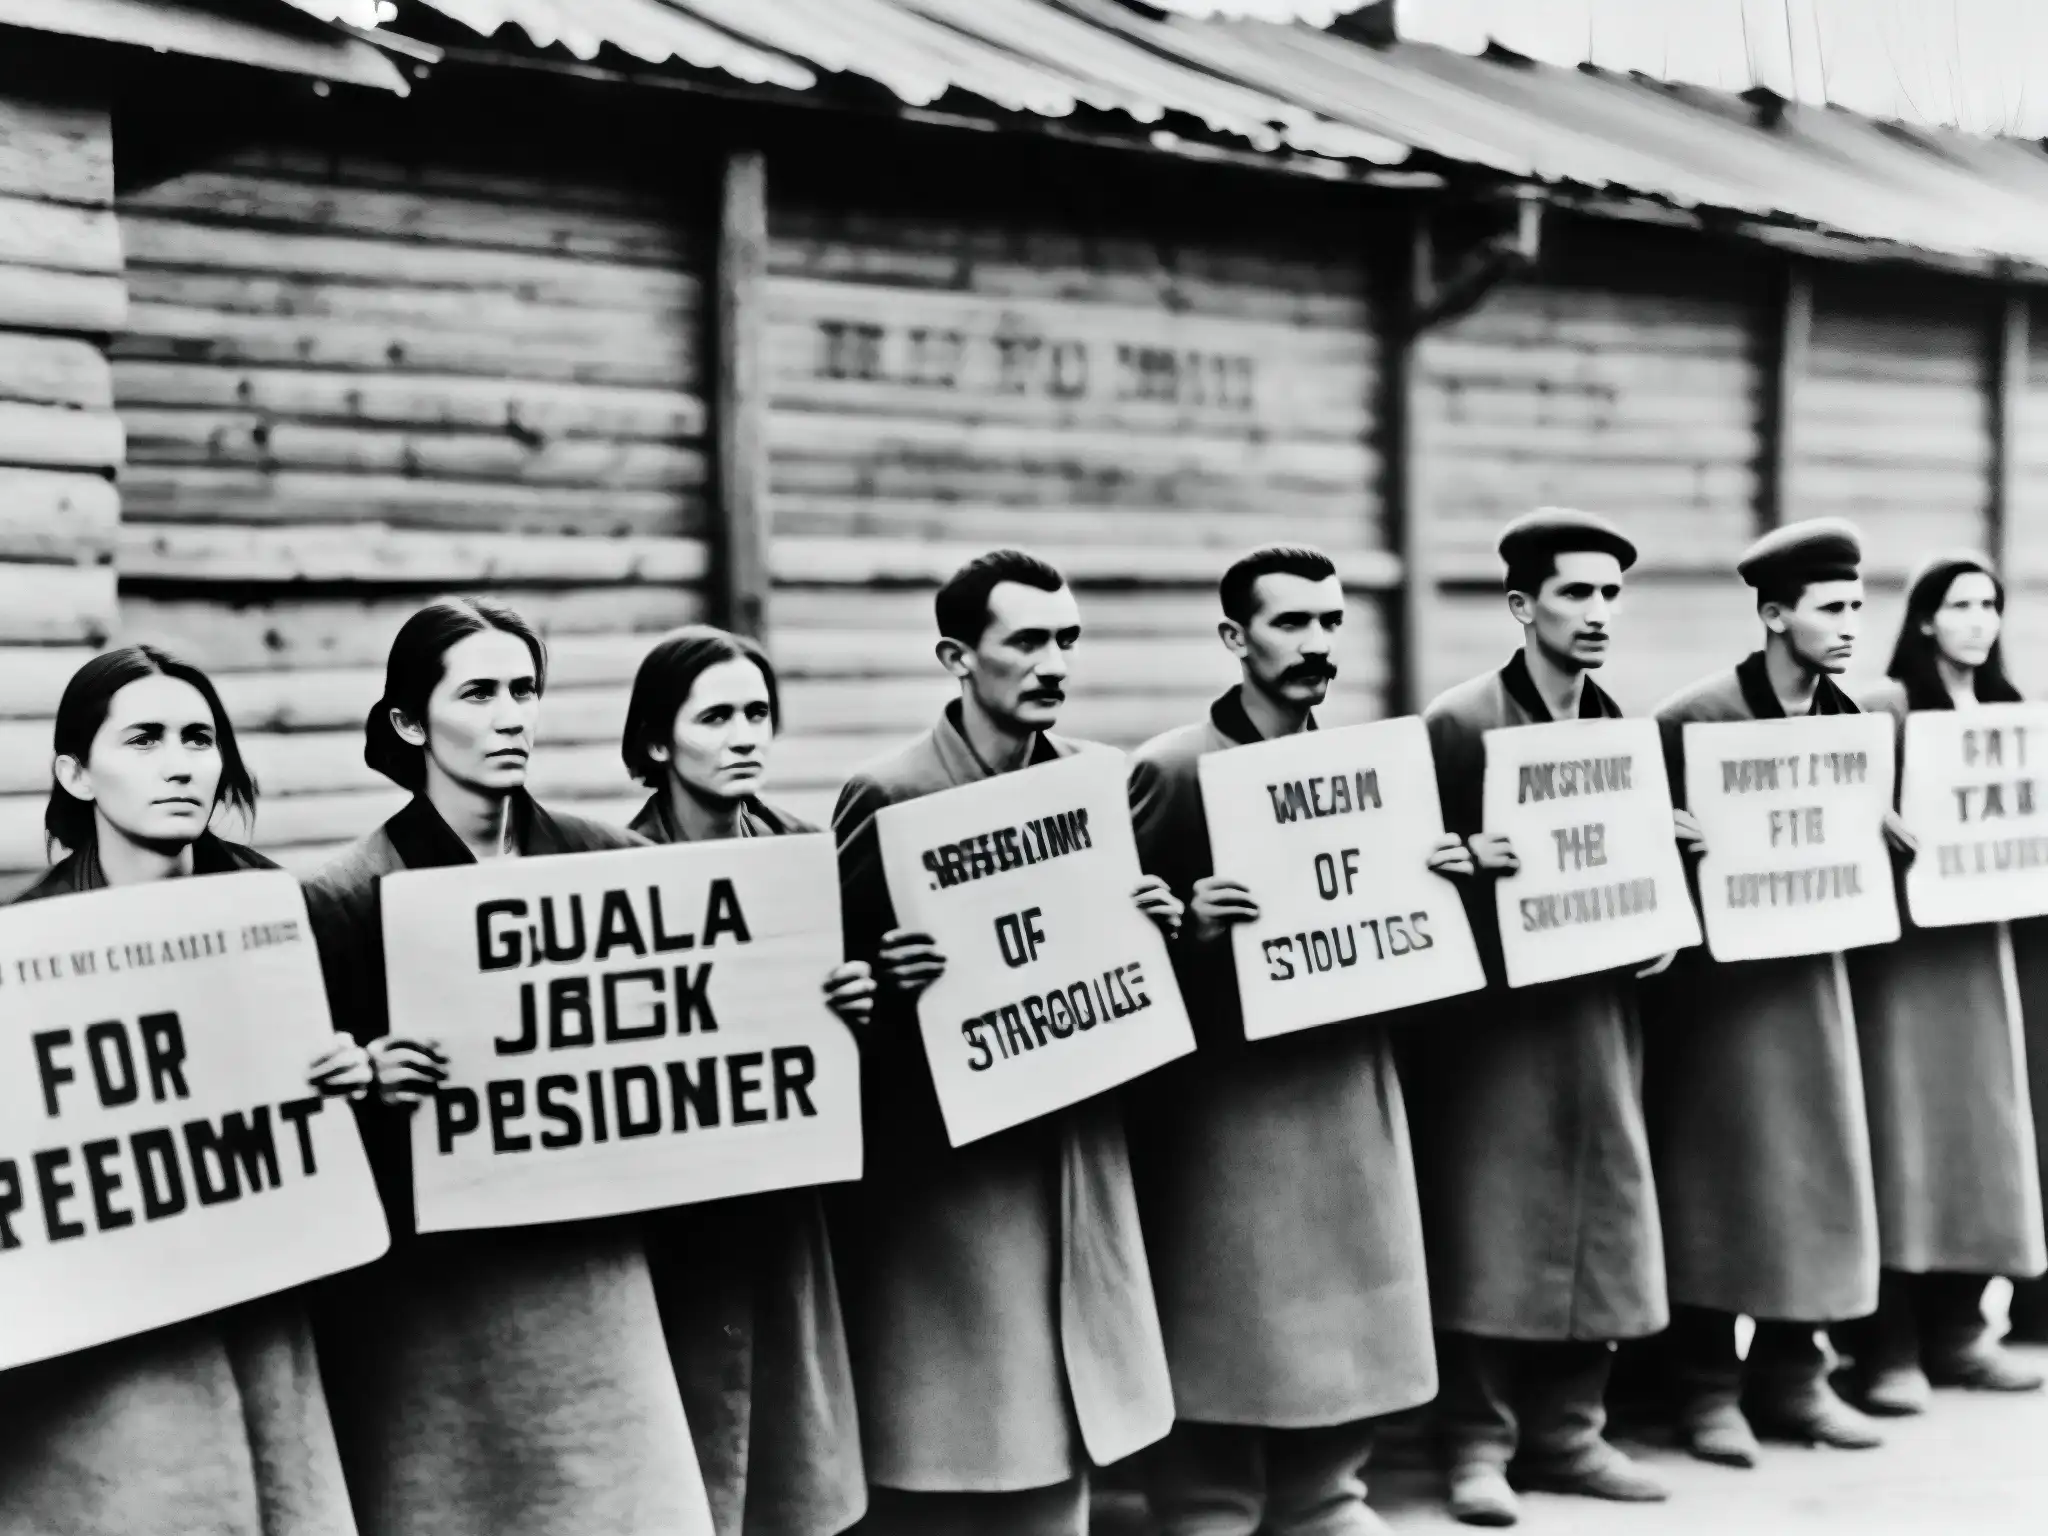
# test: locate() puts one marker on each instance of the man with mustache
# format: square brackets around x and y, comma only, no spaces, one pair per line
[1753,1089]
[1274,1179]
[1529,1146]
[998,1304]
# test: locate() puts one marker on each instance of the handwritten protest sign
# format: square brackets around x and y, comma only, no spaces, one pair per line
[161,1154]
[1587,805]
[625,1030]
[1793,812]
[1975,793]
[1056,987]
[1330,831]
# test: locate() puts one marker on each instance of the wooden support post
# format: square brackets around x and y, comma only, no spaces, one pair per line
[2008,389]
[1790,345]
[738,398]
[1415,601]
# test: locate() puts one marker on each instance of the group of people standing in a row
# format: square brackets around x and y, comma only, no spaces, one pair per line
[1232,1269]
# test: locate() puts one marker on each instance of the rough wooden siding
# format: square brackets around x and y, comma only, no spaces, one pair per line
[352,384]
[1620,382]
[1136,409]
[60,442]
[2026,534]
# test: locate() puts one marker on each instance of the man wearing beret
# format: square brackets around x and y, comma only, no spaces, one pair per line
[1274,1178]
[1537,1205]
[1753,1091]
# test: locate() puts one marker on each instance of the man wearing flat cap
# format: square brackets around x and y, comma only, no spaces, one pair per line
[1753,1090]
[1538,1212]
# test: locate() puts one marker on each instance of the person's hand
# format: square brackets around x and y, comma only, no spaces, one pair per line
[343,1070]
[1658,966]
[1903,842]
[1494,853]
[1690,835]
[909,961]
[1449,856]
[408,1071]
[1218,904]
[1153,897]
[850,992]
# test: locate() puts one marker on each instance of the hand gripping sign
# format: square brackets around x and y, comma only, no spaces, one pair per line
[161,1154]
[1056,987]
[1330,831]
[1793,813]
[1975,793]
[625,1030]
[1587,804]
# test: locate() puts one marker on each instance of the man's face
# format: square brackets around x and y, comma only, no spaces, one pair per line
[1571,615]
[1017,671]
[1821,628]
[1285,644]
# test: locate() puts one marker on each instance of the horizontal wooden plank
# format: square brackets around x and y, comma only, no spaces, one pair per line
[62,236]
[1489,482]
[24,755]
[54,370]
[859,561]
[84,303]
[326,762]
[840,517]
[372,552]
[1104,611]
[472,170]
[440,216]
[58,437]
[337,699]
[191,493]
[32,678]
[249,439]
[1613,443]
[56,149]
[592,628]
[56,604]
[532,410]
[49,516]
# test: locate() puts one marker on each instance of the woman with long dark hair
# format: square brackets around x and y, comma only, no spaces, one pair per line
[746,1285]
[1944,1065]
[218,1424]
[498,1383]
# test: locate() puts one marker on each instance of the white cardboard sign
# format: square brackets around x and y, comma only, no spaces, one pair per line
[161,1153]
[1587,805]
[1975,793]
[625,1030]
[1793,813]
[1330,831]
[1056,987]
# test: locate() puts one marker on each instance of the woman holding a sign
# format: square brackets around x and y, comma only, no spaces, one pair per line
[496,1383]
[218,1423]
[1944,1066]
[746,1285]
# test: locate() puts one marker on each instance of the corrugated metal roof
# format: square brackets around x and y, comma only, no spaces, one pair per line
[199,31]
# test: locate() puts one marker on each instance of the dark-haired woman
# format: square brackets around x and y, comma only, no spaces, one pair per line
[1944,1066]
[746,1285]
[510,1383]
[218,1424]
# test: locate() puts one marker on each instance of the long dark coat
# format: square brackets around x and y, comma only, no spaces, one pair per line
[1754,1094]
[1275,1179]
[1535,1174]
[997,1296]
[218,1424]
[1945,1081]
[506,1383]
[751,1308]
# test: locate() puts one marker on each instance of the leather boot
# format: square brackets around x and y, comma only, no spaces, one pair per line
[1805,1411]
[1714,1430]
[1602,1473]
[1893,1391]
[1480,1495]
[1985,1366]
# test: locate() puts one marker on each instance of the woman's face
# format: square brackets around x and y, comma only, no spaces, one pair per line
[153,769]
[1966,625]
[482,715]
[718,745]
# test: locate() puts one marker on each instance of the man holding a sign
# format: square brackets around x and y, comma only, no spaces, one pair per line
[1535,1175]
[1753,1088]
[1275,1178]
[998,1300]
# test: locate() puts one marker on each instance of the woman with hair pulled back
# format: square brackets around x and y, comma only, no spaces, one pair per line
[747,1286]
[217,1424]
[494,1383]
[1944,1065]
